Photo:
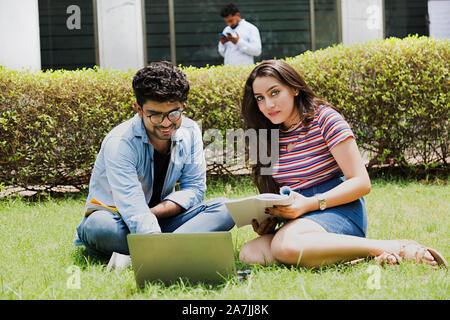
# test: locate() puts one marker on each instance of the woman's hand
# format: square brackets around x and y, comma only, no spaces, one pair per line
[301,205]
[267,226]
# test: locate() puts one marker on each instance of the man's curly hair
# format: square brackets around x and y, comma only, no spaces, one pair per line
[160,81]
[229,9]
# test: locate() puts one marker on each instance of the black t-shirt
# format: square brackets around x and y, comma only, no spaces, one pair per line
[161,163]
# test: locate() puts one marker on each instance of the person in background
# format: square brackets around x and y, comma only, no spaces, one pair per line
[140,162]
[240,40]
[319,159]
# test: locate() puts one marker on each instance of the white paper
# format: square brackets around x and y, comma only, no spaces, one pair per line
[118,262]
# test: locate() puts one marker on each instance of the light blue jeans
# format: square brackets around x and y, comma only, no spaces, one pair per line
[103,232]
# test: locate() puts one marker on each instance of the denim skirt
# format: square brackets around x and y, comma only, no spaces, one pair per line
[349,218]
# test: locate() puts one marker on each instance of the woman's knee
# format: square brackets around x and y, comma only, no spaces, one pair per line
[257,251]
[284,248]
[245,252]
[291,243]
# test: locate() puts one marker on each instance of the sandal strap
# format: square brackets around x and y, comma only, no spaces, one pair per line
[383,258]
[419,252]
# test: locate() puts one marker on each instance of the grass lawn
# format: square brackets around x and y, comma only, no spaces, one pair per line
[38,260]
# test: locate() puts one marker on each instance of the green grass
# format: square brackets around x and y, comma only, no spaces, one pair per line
[37,254]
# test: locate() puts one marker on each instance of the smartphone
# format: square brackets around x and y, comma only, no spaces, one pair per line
[222,35]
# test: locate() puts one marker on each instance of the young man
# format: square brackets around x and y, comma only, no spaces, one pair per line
[132,187]
[241,41]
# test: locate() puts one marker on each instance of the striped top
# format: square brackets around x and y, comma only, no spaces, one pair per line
[305,158]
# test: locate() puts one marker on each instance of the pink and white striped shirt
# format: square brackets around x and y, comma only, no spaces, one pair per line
[305,158]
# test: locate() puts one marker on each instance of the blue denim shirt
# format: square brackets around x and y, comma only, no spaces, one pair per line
[122,178]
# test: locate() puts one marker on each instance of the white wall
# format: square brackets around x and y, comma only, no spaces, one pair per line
[439,13]
[19,34]
[120,34]
[362,20]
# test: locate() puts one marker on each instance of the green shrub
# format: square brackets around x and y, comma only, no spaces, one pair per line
[52,123]
[394,93]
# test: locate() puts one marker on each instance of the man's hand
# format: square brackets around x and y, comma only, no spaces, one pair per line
[266,226]
[166,209]
[223,40]
[233,39]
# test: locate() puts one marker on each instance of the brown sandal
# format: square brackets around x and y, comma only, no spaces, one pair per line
[438,257]
[388,258]
[410,250]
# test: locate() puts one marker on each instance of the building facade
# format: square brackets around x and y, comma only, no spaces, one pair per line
[122,34]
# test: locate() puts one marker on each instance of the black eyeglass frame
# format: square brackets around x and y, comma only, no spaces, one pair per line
[166,114]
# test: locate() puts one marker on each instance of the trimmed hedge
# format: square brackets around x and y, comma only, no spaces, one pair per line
[394,93]
[52,123]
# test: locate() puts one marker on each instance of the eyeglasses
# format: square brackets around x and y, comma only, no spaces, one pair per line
[173,116]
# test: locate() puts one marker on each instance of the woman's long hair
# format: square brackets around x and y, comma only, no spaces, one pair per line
[305,102]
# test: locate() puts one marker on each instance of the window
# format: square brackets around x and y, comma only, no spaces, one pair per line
[405,17]
[67,34]
[284,26]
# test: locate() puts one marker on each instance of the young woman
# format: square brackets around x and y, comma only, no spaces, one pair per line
[319,159]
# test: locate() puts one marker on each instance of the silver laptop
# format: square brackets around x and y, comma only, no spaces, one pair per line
[199,257]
